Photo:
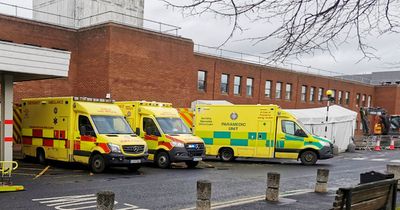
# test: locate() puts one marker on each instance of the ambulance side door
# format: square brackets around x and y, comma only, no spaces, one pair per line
[289,139]
[265,139]
[150,133]
[85,137]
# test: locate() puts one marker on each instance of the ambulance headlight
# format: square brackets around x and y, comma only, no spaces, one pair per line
[114,148]
[325,144]
[177,144]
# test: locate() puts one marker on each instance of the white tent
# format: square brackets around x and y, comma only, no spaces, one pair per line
[341,123]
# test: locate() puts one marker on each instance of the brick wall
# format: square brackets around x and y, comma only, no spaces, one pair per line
[135,64]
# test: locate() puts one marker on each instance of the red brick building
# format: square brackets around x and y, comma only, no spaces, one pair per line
[136,64]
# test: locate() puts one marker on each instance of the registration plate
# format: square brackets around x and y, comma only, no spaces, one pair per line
[197,159]
[135,161]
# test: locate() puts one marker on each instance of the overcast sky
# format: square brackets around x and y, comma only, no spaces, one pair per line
[208,30]
[211,31]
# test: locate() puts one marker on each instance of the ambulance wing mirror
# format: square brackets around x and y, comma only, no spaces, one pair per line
[137,131]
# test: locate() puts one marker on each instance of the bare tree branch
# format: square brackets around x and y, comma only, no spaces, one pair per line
[304,26]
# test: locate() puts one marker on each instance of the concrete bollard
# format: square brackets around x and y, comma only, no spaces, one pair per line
[394,169]
[105,200]
[203,195]
[322,181]
[272,192]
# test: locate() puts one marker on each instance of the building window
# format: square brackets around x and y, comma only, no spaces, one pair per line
[201,80]
[347,97]
[320,94]
[358,99]
[236,87]
[334,93]
[288,93]
[224,83]
[369,101]
[364,97]
[339,97]
[268,85]
[312,94]
[249,86]
[278,90]
[303,93]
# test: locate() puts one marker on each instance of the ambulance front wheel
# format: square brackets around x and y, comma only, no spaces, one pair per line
[97,163]
[163,160]
[226,154]
[308,157]
[40,156]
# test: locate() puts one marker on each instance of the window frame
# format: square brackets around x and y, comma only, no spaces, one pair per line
[288,94]
[303,95]
[202,88]
[224,85]
[347,97]
[269,89]
[278,91]
[237,85]
[249,94]
[312,94]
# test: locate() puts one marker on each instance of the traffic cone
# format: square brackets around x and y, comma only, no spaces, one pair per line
[378,144]
[391,147]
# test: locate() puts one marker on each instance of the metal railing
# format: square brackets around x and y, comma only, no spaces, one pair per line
[73,23]
[287,66]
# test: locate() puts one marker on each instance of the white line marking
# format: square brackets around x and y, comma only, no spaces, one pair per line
[69,196]
[359,158]
[61,207]
[78,202]
[395,161]
[379,159]
[246,200]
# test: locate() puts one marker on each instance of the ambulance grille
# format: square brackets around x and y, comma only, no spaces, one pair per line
[133,149]
[195,149]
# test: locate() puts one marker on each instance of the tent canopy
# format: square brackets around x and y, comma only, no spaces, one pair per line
[318,115]
[340,126]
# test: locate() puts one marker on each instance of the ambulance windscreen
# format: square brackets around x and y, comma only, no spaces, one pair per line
[173,126]
[111,125]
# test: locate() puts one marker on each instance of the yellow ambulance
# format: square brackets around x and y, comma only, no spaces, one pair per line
[80,129]
[168,138]
[257,131]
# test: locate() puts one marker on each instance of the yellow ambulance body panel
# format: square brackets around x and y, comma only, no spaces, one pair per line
[168,138]
[85,130]
[257,131]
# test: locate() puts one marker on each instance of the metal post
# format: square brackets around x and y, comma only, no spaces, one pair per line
[203,195]
[326,119]
[6,118]
[394,169]
[105,200]
[272,193]
[322,181]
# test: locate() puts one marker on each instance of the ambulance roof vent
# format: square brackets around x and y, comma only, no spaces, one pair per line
[99,100]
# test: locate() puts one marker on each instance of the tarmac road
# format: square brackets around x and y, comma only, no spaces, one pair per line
[71,186]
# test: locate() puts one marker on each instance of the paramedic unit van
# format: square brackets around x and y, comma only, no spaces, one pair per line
[84,130]
[259,131]
[168,138]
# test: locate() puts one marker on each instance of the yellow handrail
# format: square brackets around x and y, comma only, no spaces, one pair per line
[6,167]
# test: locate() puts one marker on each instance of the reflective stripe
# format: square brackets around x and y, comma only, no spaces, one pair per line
[88,138]
[8,139]
[37,133]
